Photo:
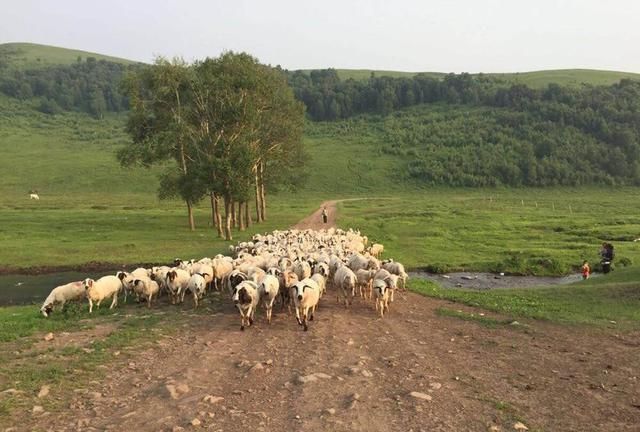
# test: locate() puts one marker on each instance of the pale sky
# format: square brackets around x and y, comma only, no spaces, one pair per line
[407,35]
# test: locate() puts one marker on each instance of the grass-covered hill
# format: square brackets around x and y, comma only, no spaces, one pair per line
[533,79]
[31,56]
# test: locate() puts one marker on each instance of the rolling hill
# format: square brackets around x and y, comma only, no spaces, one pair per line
[534,79]
[32,56]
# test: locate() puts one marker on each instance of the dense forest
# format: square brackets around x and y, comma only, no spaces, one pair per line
[90,85]
[463,129]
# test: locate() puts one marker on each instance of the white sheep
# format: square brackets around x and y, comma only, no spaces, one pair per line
[146,289]
[196,285]
[306,295]
[246,298]
[345,283]
[396,268]
[376,250]
[62,294]
[364,282]
[302,269]
[177,280]
[321,281]
[103,288]
[381,293]
[269,288]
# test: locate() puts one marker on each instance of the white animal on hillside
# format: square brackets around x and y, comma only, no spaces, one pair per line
[246,298]
[34,196]
[62,294]
[103,288]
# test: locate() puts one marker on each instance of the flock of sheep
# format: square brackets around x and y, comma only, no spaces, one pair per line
[295,267]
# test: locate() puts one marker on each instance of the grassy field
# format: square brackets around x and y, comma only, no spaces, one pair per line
[611,301]
[30,55]
[527,231]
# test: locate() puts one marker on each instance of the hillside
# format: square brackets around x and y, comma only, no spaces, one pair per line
[33,56]
[534,79]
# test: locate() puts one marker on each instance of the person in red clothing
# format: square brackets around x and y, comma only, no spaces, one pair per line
[586,270]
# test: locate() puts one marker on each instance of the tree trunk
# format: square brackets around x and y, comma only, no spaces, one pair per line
[234,219]
[247,215]
[192,224]
[241,205]
[258,206]
[217,216]
[227,218]
[213,209]
[263,202]
[215,213]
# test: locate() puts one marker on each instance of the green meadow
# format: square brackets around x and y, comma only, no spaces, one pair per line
[92,210]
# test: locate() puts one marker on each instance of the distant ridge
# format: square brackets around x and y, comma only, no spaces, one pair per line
[535,79]
[22,55]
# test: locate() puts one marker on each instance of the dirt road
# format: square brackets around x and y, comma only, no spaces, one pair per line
[414,370]
[314,221]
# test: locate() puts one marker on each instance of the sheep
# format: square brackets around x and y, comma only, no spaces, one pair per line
[345,282]
[105,287]
[146,289]
[302,269]
[62,294]
[268,290]
[321,281]
[177,280]
[376,250]
[129,278]
[221,268]
[287,280]
[381,296]
[246,298]
[390,279]
[204,269]
[364,282]
[396,268]
[34,196]
[159,274]
[322,268]
[233,279]
[196,285]
[306,294]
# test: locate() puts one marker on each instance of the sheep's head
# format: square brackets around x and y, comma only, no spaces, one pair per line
[46,310]
[87,283]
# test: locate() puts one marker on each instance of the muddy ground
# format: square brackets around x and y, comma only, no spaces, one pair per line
[414,370]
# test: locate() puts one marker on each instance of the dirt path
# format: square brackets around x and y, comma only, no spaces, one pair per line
[314,221]
[547,376]
[353,371]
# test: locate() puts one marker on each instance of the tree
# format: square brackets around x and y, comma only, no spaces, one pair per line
[158,124]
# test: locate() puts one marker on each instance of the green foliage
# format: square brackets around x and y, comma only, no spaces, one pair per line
[90,86]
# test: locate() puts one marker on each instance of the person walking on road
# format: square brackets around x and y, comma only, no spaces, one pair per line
[325,216]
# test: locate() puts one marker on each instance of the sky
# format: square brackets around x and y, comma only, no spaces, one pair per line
[405,35]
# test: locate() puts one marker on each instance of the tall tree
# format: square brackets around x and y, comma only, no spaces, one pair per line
[158,124]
